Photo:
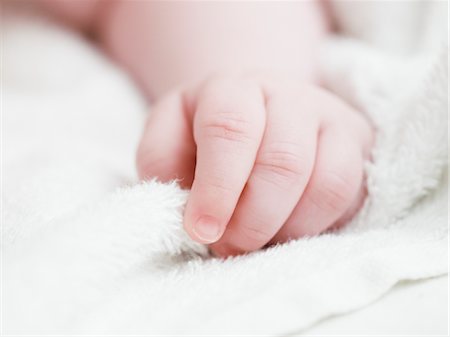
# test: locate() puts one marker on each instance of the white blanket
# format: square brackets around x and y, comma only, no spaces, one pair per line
[85,249]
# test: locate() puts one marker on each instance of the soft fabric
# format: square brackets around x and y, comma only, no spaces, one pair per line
[88,249]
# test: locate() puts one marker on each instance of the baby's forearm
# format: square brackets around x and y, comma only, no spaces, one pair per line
[164,43]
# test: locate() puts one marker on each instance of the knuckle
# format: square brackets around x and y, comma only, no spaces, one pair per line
[283,162]
[228,126]
[216,84]
[335,190]
[256,234]
[222,187]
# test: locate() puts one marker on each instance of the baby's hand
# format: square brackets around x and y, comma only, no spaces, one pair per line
[266,160]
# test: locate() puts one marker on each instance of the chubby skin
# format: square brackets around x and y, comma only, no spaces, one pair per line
[239,116]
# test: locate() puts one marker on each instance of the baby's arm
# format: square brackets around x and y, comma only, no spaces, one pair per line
[168,43]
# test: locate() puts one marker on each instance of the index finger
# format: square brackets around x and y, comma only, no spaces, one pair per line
[228,127]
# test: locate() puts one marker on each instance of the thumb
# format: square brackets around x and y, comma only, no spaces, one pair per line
[167,150]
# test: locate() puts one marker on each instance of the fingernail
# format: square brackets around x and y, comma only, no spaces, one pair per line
[207,229]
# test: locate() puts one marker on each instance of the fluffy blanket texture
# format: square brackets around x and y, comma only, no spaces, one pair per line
[87,249]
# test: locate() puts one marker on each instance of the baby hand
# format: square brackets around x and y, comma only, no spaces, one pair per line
[266,160]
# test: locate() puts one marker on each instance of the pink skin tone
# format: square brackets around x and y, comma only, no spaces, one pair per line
[239,116]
